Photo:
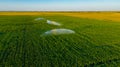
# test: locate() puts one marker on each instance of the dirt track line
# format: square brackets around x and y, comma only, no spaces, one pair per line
[101,62]
[23,45]
[6,51]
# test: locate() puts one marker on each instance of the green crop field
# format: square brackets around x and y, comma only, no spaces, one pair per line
[95,43]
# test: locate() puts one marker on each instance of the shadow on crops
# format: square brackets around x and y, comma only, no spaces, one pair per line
[1,33]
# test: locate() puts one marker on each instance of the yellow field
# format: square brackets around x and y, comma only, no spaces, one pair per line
[100,16]
[114,16]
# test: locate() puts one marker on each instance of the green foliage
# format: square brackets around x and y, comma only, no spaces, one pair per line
[96,43]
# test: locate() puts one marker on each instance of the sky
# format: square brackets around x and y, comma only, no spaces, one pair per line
[59,5]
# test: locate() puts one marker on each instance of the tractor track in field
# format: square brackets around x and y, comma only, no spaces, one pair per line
[17,48]
[27,24]
[5,53]
[102,62]
[23,46]
[12,47]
